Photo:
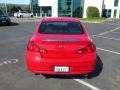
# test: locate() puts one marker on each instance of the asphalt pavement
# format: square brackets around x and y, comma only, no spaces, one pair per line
[14,75]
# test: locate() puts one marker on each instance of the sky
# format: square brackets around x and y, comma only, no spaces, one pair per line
[16,1]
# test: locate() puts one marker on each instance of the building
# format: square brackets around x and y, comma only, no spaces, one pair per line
[74,8]
[107,8]
[111,8]
[54,8]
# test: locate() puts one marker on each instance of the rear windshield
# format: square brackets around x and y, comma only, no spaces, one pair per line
[61,28]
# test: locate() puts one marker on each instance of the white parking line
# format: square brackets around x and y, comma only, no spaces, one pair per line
[109,31]
[9,61]
[118,53]
[114,52]
[116,32]
[112,24]
[87,84]
[105,37]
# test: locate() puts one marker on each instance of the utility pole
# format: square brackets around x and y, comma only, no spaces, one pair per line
[6,6]
[103,4]
[31,6]
[103,7]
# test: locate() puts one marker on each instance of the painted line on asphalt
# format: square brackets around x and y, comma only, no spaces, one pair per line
[111,24]
[109,31]
[87,84]
[9,61]
[116,32]
[105,37]
[118,53]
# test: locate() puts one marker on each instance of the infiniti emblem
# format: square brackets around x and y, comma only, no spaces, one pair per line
[60,46]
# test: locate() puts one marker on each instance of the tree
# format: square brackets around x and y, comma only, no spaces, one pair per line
[13,8]
[27,9]
[92,12]
[16,9]
[2,9]
[9,7]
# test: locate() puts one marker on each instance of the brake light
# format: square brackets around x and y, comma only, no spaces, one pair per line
[35,48]
[88,49]
[32,47]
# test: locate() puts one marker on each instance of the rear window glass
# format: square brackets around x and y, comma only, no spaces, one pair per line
[61,28]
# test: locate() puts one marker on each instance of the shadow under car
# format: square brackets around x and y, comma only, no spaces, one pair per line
[11,24]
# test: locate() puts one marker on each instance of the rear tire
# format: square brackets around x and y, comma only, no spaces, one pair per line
[88,76]
[46,76]
[21,16]
[31,16]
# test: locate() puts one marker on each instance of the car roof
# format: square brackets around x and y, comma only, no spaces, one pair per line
[69,19]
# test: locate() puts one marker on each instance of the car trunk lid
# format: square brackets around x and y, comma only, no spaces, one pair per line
[61,46]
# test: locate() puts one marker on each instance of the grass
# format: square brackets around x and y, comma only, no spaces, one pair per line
[93,19]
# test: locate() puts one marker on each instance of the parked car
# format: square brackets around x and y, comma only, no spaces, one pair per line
[23,14]
[61,46]
[4,19]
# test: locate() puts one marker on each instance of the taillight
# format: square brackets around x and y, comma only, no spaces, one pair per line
[32,47]
[35,48]
[88,49]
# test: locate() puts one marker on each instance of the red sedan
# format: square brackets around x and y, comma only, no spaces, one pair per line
[61,46]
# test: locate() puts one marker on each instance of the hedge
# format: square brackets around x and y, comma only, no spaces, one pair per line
[92,12]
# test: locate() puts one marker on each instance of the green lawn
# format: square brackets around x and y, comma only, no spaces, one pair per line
[93,19]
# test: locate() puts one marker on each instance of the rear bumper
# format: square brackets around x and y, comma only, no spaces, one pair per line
[75,68]
[82,65]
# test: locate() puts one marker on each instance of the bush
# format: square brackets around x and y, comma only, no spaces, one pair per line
[92,12]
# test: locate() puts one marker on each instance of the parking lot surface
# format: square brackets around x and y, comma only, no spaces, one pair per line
[14,75]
